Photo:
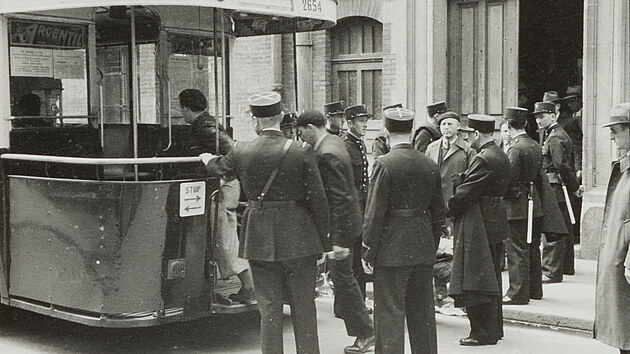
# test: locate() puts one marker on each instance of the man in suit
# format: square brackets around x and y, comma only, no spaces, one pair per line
[524,266]
[203,138]
[452,155]
[557,151]
[403,223]
[335,117]
[285,225]
[429,131]
[346,222]
[357,117]
[481,225]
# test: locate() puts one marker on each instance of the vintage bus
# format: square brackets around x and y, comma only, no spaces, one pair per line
[106,220]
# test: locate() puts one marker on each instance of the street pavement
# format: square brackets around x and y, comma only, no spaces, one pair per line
[31,333]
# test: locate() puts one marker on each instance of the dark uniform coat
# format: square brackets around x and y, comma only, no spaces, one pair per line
[612,300]
[573,126]
[480,220]
[425,135]
[278,233]
[525,157]
[358,155]
[380,146]
[557,151]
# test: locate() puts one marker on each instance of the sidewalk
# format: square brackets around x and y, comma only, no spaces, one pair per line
[569,304]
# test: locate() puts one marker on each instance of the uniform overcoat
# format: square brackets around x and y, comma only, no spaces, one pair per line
[612,301]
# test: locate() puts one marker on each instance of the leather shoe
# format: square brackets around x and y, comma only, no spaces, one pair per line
[361,345]
[547,280]
[245,297]
[472,342]
[509,301]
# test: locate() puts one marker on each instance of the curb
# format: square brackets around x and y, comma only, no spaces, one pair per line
[539,319]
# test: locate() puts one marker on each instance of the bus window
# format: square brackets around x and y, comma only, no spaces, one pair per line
[48,73]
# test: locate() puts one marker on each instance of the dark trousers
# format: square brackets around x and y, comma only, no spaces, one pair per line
[296,277]
[357,267]
[524,264]
[497,251]
[349,302]
[558,256]
[400,292]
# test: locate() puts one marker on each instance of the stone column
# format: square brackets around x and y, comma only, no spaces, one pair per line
[304,55]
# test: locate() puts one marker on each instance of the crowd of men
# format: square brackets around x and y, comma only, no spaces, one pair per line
[441,181]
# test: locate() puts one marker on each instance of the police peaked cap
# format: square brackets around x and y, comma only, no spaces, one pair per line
[438,107]
[334,107]
[265,104]
[544,107]
[515,114]
[357,111]
[481,122]
[289,119]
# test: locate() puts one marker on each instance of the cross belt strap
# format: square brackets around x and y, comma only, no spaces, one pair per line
[285,149]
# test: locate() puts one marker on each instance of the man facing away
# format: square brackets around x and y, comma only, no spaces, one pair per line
[557,150]
[346,222]
[203,139]
[523,255]
[356,118]
[430,131]
[480,227]
[380,145]
[403,223]
[284,226]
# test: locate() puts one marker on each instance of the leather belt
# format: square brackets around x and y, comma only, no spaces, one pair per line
[490,199]
[273,204]
[406,213]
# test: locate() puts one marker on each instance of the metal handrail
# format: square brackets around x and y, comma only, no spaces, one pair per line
[100,161]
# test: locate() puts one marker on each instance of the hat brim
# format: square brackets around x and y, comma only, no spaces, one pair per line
[538,112]
[571,97]
[360,115]
[615,123]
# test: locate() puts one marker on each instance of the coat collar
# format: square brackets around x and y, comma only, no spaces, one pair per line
[624,163]
[271,132]
[457,145]
[403,145]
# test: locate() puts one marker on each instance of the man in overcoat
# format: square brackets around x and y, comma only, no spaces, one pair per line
[285,225]
[429,131]
[612,299]
[481,225]
[346,223]
[557,150]
[356,118]
[523,258]
[403,223]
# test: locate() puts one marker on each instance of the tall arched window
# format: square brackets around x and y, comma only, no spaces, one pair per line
[357,61]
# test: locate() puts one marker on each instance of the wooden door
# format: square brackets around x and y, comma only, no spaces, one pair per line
[482,56]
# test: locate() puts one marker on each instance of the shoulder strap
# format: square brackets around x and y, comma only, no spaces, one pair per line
[285,149]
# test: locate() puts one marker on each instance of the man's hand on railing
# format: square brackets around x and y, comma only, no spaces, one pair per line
[206,157]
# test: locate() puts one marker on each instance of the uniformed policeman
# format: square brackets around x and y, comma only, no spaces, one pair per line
[403,223]
[335,117]
[480,227]
[288,125]
[284,226]
[557,150]
[357,117]
[523,258]
[430,131]
[380,146]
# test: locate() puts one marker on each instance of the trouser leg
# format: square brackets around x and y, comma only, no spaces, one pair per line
[518,258]
[497,251]
[269,284]
[441,277]
[568,266]
[349,302]
[390,289]
[300,276]
[535,271]
[357,267]
[419,310]
[553,252]
[483,319]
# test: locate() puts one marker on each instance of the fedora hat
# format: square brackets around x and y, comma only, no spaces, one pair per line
[551,96]
[573,92]
[620,114]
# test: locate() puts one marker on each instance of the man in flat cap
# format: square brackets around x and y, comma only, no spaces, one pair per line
[357,117]
[453,155]
[204,132]
[285,225]
[335,117]
[557,149]
[380,146]
[523,249]
[612,298]
[403,222]
[480,227]
[429,131]
[288,125]
[346,222]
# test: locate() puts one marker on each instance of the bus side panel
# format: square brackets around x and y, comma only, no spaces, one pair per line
[92,246]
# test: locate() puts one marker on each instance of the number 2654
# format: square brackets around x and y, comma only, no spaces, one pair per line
[312,5]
